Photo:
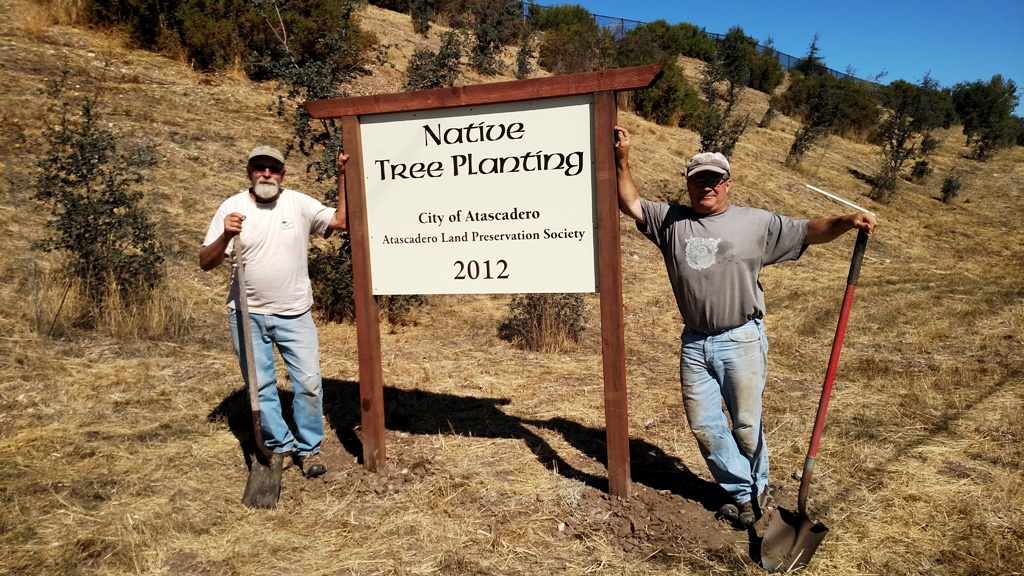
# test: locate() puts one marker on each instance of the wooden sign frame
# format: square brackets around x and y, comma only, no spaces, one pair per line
[603,85]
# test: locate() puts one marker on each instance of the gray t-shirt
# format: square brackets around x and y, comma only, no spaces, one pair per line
[714,261]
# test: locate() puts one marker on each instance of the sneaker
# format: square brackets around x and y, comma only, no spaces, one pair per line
[311,465]
[729,512]
[747,517]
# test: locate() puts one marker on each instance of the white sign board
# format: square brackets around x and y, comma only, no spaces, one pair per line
[494,199]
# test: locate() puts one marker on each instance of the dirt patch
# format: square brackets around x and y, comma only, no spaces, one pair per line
[654,525]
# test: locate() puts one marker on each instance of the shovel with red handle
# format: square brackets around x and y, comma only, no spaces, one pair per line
[791,539]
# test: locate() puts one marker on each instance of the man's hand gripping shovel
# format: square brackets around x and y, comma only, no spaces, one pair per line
[263,488]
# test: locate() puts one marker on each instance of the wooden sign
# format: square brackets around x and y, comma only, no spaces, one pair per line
[453,184]
[493,199]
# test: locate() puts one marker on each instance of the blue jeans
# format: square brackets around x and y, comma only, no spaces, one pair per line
[729,366]
[297,341]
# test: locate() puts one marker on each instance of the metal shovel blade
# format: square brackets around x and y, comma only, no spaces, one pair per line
[263,488]
[790,541]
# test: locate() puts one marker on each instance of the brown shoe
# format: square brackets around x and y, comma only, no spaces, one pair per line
[729,512]
[311,465]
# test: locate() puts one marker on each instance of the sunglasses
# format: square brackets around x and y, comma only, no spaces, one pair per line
[709,181]
[261,168]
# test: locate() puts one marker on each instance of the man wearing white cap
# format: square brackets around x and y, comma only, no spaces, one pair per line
[714,253]
[274,243]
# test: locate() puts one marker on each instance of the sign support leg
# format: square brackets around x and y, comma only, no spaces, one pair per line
[613,341]
[371,380]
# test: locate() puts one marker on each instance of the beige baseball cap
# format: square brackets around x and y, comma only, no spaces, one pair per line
[268,151]
[708,162]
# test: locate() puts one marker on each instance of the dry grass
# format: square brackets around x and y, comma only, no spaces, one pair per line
[121,454]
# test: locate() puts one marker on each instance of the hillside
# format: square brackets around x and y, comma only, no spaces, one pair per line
[121,454]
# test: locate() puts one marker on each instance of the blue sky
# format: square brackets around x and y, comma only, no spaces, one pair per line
[953,41]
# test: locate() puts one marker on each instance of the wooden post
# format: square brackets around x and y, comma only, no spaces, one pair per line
[371,380]
[613,341]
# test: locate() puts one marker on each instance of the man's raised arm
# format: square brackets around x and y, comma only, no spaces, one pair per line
[629,197]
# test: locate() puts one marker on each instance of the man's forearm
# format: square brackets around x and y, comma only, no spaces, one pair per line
[629,197]
[822,230]
[211,255]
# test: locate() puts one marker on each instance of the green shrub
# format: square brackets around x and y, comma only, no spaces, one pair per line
[208,32]
[950,188]
[986,110]
[144,21]
[546,18]
[393,5]
[570,40]
[806,136]
[929,144]
[770,113]
[670,101]
[883,184]
[920,171]
[421,12]
[397,310]
[91,189]
[856,110]
[910,117]
[576,47]
[735,55]
[812,64]
[820,117]
[716,121]
[545,322]
[643,45]
[719,130]
[658,41]
[766,73]
[495,24]
[215,34]
[429,69]
[525,54]
[330,273]
[692,41]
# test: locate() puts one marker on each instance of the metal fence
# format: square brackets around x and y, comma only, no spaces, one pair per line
[620,26]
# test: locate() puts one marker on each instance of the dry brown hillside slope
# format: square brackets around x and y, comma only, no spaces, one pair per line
[121,455]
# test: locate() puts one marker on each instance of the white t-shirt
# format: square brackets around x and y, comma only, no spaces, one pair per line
[275,243]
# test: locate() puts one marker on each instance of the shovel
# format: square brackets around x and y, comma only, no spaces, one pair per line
[791,539]
[263,488]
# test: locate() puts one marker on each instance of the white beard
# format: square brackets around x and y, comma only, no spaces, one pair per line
[266,190]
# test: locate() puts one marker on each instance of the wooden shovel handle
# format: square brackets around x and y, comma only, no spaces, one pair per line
[245,333]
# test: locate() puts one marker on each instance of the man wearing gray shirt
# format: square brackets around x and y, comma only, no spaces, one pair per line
[714,254]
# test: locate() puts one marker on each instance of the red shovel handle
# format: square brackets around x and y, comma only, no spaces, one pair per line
[833,363]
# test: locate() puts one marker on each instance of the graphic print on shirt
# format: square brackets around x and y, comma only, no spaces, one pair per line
[701,252]
[287,224]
